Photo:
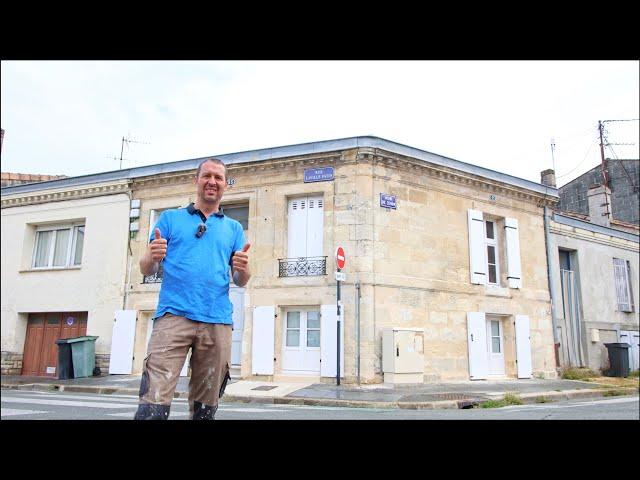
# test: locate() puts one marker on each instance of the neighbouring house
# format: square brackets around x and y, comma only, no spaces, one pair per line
[64,245]
[593,260]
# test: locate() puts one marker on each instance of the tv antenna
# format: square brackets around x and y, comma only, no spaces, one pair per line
[128,141]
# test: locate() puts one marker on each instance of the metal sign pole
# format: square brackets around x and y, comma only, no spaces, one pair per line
[338,335]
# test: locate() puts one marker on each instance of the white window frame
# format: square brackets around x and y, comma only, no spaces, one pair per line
[287,329]
[622,283]
[493,242]
[303,329]
[71,245]
[491,336]
[312,329]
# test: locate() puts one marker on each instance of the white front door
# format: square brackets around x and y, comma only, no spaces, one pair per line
[495,346]
[236,295]
[301,342]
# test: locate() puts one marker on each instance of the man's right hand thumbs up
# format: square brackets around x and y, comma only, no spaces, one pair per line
[158,247]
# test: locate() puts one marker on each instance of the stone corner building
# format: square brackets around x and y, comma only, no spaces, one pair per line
[456,257]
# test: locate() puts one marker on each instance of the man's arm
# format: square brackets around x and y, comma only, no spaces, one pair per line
[156,251]
[240,266]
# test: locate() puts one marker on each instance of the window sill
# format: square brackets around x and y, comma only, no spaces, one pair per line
[56,269]
[496,291]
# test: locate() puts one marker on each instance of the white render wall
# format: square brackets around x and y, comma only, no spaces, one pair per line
[596,285]
[97,287]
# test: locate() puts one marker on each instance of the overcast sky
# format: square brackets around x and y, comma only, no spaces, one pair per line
[68,118]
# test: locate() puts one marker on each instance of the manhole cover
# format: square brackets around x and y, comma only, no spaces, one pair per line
[264,387]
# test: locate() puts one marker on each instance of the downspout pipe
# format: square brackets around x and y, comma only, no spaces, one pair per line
[358,329]
[552,285]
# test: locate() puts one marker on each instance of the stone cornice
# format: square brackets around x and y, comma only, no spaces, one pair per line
[250,169]
[177,178]
[420,168]
[77,193]
[344,157]
[587,236]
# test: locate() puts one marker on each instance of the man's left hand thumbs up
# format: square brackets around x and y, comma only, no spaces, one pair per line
[240,260]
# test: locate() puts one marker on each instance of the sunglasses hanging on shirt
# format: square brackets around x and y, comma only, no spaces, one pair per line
[201,229]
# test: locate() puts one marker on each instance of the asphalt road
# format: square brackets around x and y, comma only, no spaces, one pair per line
[37,405]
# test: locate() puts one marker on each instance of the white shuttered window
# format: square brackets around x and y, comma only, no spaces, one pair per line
[485,247]
[305,226]
[621,271]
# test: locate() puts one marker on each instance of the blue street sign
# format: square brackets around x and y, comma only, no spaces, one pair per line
[388,201]
[324,174]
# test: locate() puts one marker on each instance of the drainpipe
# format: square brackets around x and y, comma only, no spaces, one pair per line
[358,329]
[552,289]
[127,278]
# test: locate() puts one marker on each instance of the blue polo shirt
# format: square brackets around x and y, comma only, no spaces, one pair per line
[195,282]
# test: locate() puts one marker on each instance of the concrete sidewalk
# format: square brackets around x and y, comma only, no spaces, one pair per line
[461,394]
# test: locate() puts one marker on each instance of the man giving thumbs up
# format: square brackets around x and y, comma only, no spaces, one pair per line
[201,249]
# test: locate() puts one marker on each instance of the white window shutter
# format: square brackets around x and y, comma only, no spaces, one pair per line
[315,220]
[477,263]
[297,228]
[263,340]
[122,340]
[512,236]
[629,277]
[328,340]
[477,343]
[523,346]
[622,285]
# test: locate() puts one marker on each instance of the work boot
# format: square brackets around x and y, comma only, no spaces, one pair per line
[151,411]
[203,412]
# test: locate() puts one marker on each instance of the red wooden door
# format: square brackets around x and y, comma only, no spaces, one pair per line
[49,366]
[43,329]
[33,345]
[74,324]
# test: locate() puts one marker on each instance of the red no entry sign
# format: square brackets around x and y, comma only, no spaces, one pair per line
[340,257]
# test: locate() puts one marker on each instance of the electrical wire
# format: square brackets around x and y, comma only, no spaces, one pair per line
[581,162]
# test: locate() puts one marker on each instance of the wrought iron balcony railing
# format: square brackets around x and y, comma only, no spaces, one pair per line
[289,267]
[156,278]
[302,266]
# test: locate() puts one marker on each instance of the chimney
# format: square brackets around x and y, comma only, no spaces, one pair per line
[548,178]
[599,198]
